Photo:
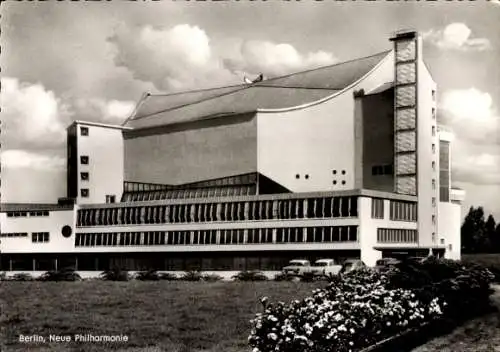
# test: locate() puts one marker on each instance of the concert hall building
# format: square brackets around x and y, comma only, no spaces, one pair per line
[343,161]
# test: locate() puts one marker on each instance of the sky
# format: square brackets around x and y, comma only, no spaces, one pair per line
[65,61]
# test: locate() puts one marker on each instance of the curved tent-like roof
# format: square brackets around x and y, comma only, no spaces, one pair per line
[276,93]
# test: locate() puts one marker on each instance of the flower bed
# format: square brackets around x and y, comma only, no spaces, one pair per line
[366,307]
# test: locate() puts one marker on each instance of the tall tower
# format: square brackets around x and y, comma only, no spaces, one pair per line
[415,133]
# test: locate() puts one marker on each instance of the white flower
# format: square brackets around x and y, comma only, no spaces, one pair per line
[272,336]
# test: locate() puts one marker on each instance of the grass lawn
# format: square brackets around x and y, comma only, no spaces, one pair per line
[477,335]
[486,259]
[156,316]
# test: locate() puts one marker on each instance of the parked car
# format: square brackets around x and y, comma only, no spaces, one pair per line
[351,265]
[385,264]
[325,267]
[416,260]
[297,267]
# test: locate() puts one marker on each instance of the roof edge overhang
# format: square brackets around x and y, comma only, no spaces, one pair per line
[98,124]
[333,95]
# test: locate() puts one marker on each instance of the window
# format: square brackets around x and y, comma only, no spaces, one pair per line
[377,208]
[334,182]
[442,240]
[433,131]
[84,131]
[84,176]
[433,201]
[84,192]
[334,172]
[382,170]
[433,237]
[297,176]
[110,199]
[434,166]
[39,237]
[343,182]
[434,219]
[388,170]
[307,177]
[434,113]
[84,160]
[433,184]
[433,148]
[343,172]
[433,95]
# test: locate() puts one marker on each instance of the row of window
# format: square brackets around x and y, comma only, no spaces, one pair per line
[207,192]
[246,179]
[39,237]
[221,237]
[14,234]
[382,170]
[397,236]
[16,214]
[403,211]
[216,212]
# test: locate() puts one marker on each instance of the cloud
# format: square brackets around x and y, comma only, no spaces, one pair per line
[100,110]
[475,122]
[184,57]
[17,159]
[276,59]
[456,36]
[35,118]
[471,114]
[31,113]
[176,58]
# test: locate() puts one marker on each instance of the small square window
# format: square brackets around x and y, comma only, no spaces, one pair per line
[433,148]
[433,201]
[434,113]
[433,95]
[84,192]
[433,131]
[84,131]
[110,199]
[84,176]
[434,165]
[84,160]
[433,184]
[388,170]
[343,172]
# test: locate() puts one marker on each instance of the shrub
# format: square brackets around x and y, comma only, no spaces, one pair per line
[167,277]
[22,277]
[115,274]
[67,274]
[250,276]
[150,275]
[191,275]
[364,307]
[212,277]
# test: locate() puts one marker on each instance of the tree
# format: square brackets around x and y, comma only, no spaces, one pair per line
[490,234]
[473,231]
[496,239]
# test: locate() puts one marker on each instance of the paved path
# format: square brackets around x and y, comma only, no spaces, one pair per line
[478,335]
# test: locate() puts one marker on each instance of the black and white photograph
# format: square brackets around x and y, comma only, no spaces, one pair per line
[250,176]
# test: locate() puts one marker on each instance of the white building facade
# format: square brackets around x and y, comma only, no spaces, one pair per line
[340,162]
